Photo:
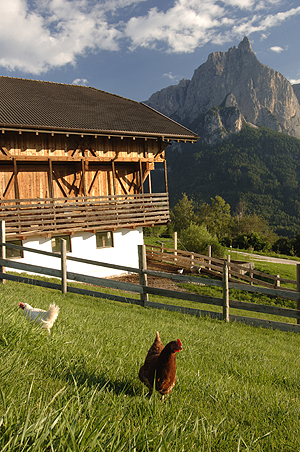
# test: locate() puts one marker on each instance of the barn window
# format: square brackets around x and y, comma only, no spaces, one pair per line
[12,253]
[104,239]
[56,246]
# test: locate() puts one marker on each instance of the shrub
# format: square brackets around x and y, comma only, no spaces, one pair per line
[251,240]
[197,238]
[283,246]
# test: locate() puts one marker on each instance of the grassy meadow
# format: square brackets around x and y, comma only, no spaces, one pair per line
[238,387]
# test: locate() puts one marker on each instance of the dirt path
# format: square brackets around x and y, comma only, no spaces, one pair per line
[259,257]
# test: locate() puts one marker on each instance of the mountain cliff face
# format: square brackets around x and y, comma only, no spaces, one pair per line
[229,89]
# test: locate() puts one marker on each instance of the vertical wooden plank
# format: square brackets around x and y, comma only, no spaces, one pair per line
[150,183]
[141,177]
[50,178]
[114,177]
[143,277]
[298,290]
[2,248]
[17,195]
[83,163]
[225,292]
[63,248]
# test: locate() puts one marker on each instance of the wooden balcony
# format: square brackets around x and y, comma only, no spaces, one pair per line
[47,217]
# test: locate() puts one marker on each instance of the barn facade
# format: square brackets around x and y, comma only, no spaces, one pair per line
[75,163]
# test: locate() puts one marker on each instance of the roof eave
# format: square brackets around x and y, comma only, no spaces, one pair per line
[97,132]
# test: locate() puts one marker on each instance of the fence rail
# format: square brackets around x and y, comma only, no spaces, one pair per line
[143,290]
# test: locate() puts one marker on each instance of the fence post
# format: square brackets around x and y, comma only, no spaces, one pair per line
[209,257]
[298,290]
[142,276]
[161,250]
[192,259]
[228,265]
[277,281]
[2,248]
[63,249]
[225,292]
[175,246]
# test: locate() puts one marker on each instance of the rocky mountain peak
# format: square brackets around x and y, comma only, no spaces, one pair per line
[259,95]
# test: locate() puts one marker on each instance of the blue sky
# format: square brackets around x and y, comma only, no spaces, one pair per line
[134,48]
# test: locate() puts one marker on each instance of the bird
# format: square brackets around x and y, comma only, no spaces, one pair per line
[180,271]
[160,364]
[45,318]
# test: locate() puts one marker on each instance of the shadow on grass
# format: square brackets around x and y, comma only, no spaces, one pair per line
[119,386]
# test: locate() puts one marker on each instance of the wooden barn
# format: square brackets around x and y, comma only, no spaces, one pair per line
[75,163]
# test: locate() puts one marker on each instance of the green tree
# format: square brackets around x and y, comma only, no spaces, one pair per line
[216,217]
[182,215]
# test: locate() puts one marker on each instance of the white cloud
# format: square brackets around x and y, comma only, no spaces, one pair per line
[51,35]
[80,81]
[294,81]
[276,49]
[37,36]
[174,78]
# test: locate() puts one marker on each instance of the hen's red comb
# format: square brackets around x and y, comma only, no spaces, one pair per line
[178,340]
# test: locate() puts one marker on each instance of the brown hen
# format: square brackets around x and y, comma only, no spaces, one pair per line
[160,363]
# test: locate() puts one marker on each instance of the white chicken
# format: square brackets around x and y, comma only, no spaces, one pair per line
[45,318]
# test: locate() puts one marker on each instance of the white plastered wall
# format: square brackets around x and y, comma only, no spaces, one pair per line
[83,245]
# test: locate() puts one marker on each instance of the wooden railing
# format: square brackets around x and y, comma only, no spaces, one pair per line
[201,264]
[64,215]
[144,290]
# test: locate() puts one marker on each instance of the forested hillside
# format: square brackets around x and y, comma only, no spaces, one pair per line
[256,171]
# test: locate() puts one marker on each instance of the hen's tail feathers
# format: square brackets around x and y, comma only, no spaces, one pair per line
[50,317]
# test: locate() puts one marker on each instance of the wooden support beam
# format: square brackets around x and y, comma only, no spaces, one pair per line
[166,176]
[50,178]
[113,176]
[83,163]
[17,195]
[141,177]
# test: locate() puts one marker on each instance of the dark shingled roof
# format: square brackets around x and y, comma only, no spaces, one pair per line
[39,105]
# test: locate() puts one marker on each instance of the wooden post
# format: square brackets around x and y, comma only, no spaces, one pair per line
[251,276]
[228,265]
[298,290]
[83,167]
[161,250]
[166,176]
[209,257]
[225,292]
[143,277]
[2,248]
[149,183]
[277,282]
[175,246]
[113,177]
[141,177]
[192,259]
[63,250]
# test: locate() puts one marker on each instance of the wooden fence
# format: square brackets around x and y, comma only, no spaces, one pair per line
[143,290]
[198,263]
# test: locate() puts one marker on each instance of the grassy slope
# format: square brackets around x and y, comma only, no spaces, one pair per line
[237,389]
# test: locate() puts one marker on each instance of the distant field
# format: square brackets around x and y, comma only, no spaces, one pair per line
[237,389]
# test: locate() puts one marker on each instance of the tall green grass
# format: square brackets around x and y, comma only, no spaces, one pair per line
[78,390]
